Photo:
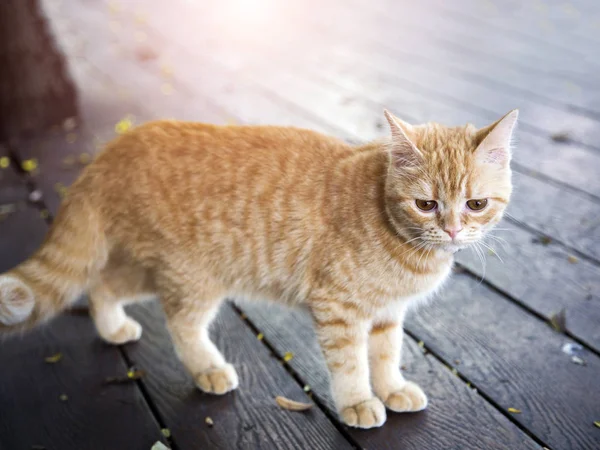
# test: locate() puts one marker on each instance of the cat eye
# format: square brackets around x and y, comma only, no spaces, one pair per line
[477,205]
[426,205]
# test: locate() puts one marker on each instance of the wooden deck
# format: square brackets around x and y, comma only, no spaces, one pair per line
[485,347]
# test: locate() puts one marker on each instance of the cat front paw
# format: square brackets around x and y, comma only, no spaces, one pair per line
[218,381]
[368,414]
[410,398]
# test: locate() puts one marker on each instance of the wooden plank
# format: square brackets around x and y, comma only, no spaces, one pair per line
[544,277]
[59,156]
[452,405]
[515,360]
[248,418]
[93,415]
[539,118]
[555,23]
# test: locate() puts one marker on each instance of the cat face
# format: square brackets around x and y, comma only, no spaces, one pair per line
[446,187]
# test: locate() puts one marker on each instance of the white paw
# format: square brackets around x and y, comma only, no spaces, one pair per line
[368,414]
[410,398]
[130,331]
[218,381]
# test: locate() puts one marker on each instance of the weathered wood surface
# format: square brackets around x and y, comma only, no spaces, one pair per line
[453,406]
[248,418]
[32,409]
[514,360]
[324,71]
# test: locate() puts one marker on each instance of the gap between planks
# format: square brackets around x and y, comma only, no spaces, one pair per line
[479,392]
[295,375]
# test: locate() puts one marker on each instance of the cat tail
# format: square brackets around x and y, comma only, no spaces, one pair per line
[58,273]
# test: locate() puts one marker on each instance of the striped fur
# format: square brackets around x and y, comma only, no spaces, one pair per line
[193,213]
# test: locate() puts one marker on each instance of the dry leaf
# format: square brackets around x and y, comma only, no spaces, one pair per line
[260,336]
[597,423]
[561,137]
[4,162]
[292,405]
[29,165]
[54,358]
[288,356]
[559,321]
[166,432]
[123,125]
[544,240]
[514,410]
[132,375]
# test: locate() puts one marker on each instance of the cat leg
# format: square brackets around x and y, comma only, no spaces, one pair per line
[117,286]
[111,320]
[344,342]
[385,345]
[188,319]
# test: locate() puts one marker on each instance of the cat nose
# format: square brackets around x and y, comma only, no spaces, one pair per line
[452,232]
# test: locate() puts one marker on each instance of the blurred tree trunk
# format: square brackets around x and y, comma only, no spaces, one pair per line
[35,89]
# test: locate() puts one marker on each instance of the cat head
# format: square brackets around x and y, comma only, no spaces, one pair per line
[448,186]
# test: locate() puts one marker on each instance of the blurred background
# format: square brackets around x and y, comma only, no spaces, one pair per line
[76,73]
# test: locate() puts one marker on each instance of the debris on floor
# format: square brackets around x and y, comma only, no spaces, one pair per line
[543,240]
[562,136]
[132,375]
[29,165]
[559,320]
[54,358]
[514,410]
[159,446]
[292,405]
[209,421]
[35,196]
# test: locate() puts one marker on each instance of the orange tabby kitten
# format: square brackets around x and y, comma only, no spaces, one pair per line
[194,213]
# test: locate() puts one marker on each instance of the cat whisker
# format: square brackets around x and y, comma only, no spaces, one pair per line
[492,249]
[413,247]
[481,257]
[498,239]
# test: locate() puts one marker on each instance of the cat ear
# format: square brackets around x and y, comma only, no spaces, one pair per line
[403,153]
[494,140]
